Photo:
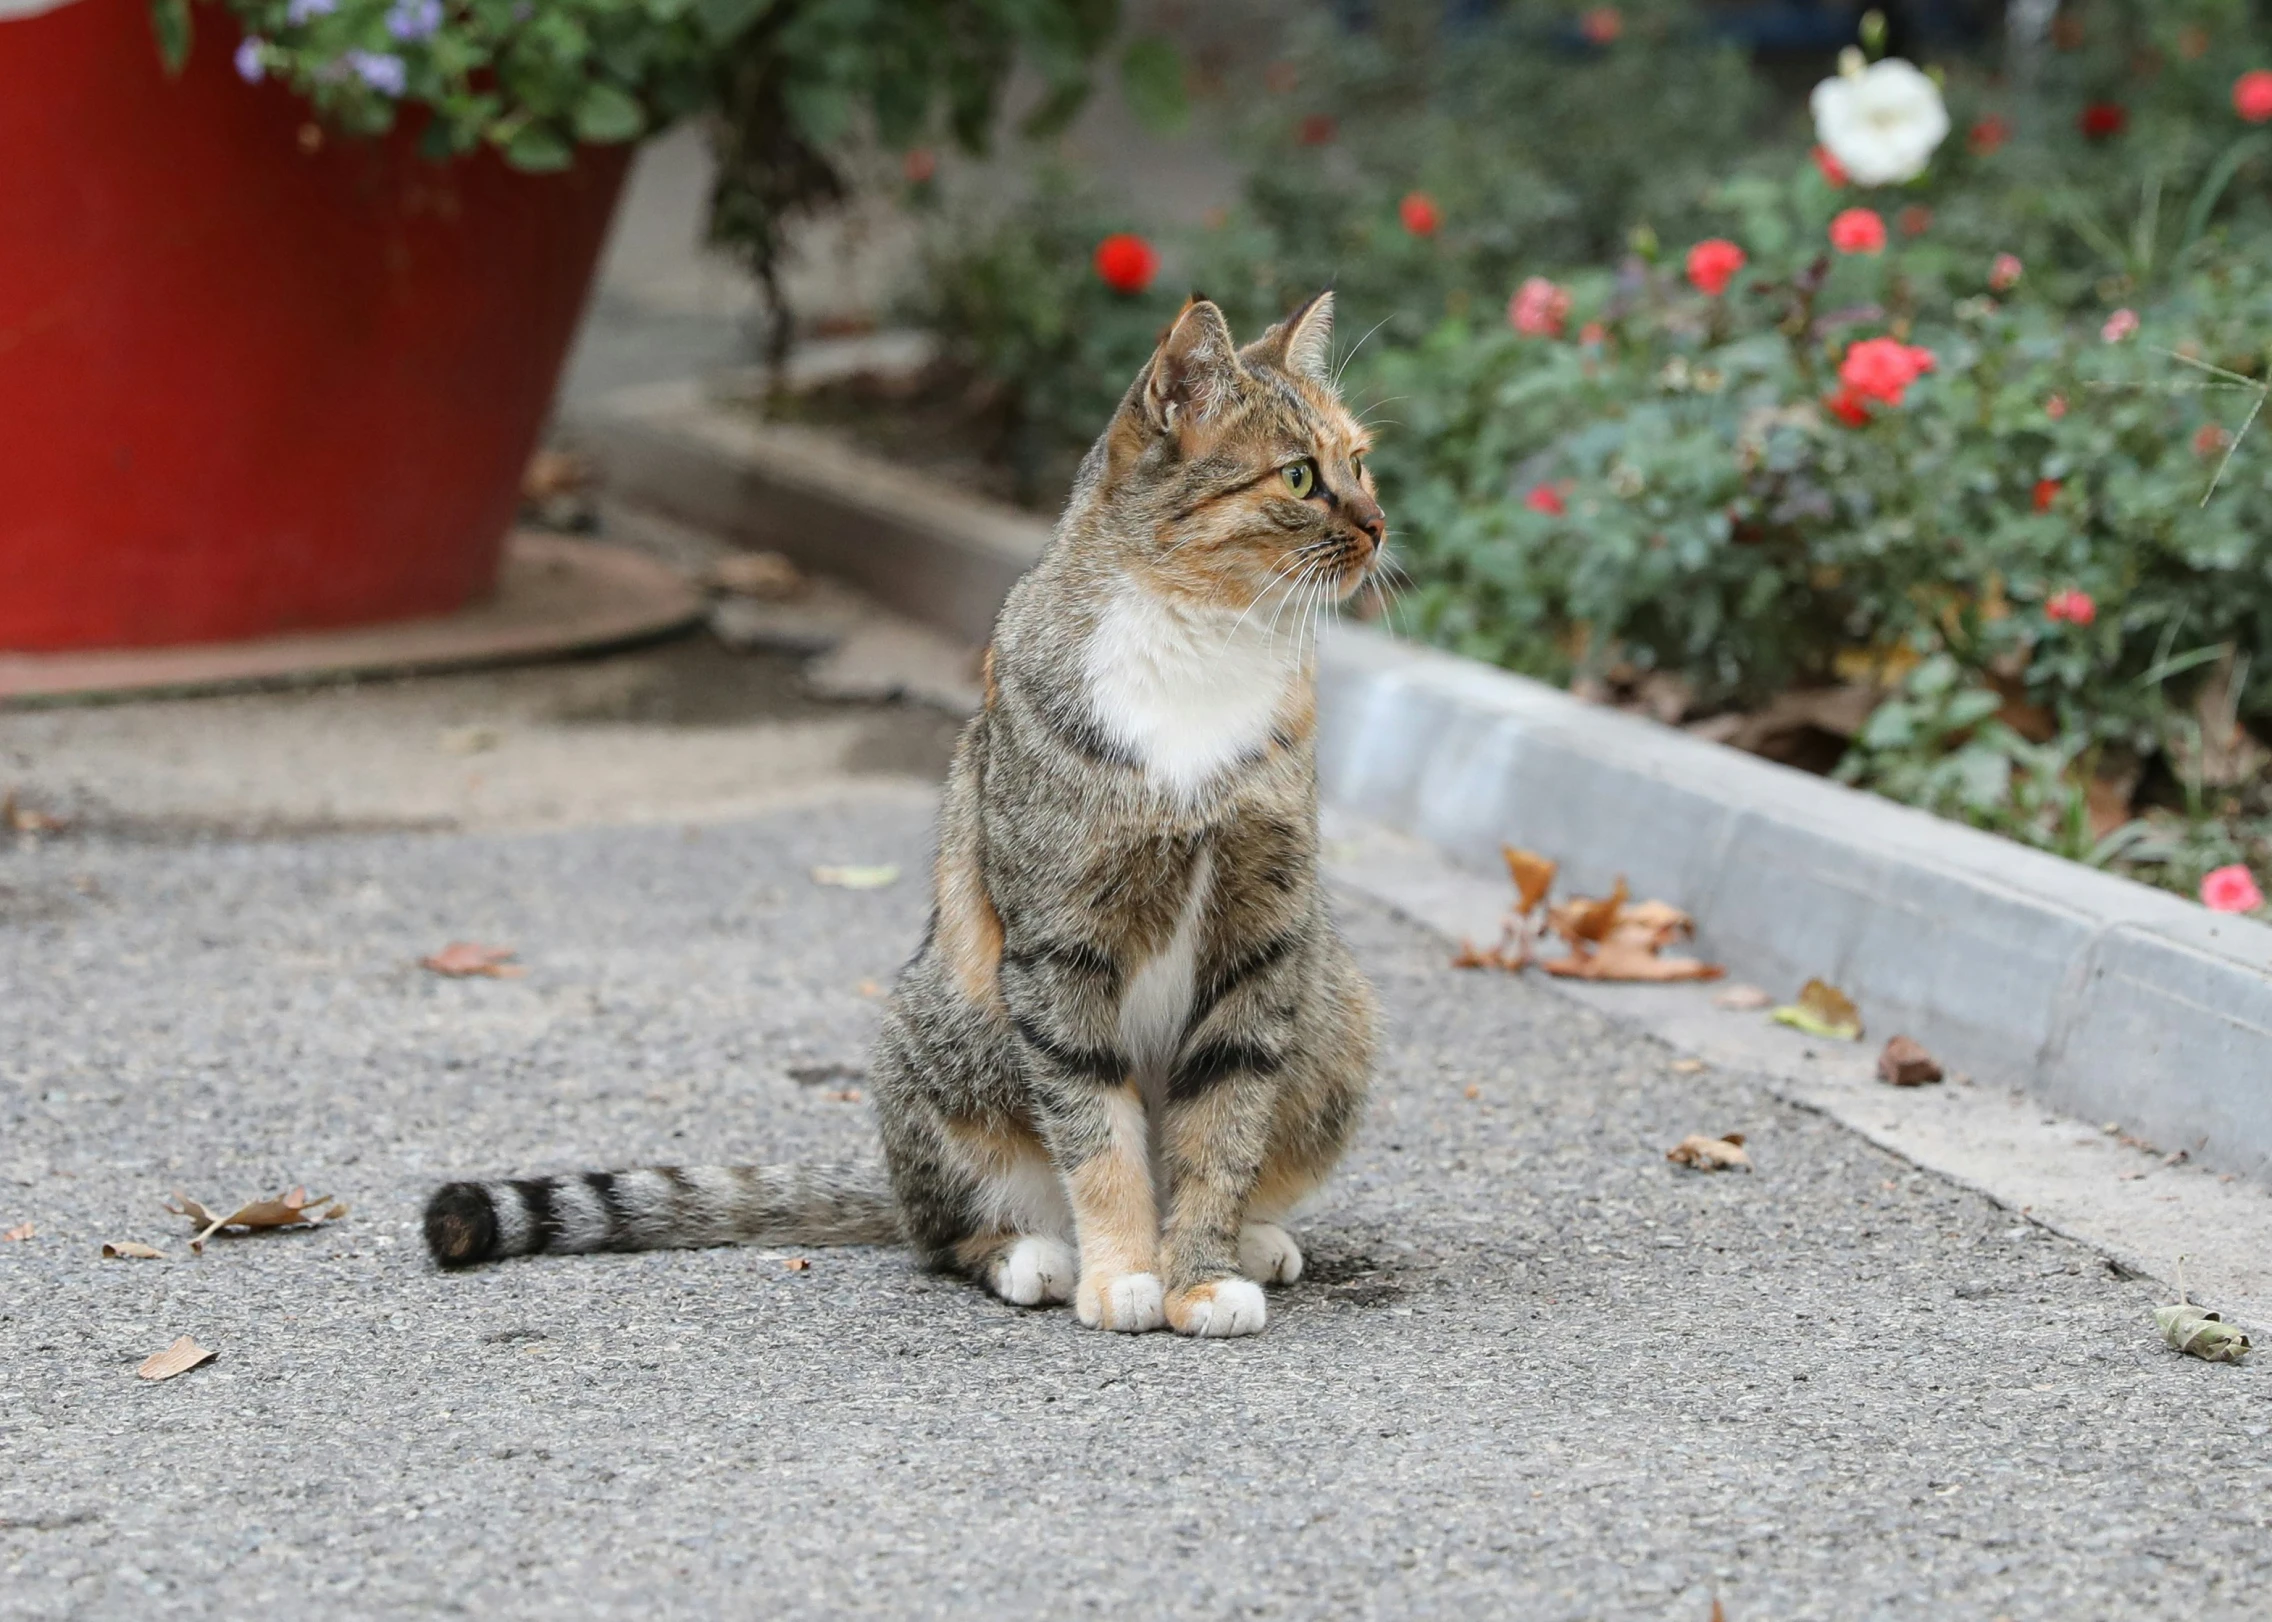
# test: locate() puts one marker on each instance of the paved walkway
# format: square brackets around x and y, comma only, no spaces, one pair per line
[1535,1370]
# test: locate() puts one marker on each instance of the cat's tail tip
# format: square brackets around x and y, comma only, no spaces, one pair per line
[461,1225]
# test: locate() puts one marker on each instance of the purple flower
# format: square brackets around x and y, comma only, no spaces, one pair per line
[302,12]
[250,67]
[383,73]
[414,19]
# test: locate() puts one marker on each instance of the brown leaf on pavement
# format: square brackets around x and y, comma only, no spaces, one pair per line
[1822,1010]
[287,1210]
[22,1230]
[767,576]
[461,959]
[1741,997]
[1583,919]
[797,1264]
[1724,1153]
[1533,875]
[179,1358]
[22,819]
[131,1250]
[1905,1063]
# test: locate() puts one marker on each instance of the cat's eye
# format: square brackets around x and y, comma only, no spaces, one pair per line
[1301,478]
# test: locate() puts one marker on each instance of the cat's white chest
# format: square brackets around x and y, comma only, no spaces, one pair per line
[1186,692]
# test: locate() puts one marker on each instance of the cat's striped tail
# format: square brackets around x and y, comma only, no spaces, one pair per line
[661,1208]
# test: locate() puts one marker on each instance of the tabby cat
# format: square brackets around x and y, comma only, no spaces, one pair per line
[1129,995]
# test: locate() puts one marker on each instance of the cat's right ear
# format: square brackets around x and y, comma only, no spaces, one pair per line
[1194,371]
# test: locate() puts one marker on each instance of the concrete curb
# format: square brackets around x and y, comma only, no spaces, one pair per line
[2102,998]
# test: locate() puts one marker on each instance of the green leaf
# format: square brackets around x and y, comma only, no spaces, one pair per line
[1151,77]
[169,20]
[538,150]
[606,114]
[724,20]
[1057,110]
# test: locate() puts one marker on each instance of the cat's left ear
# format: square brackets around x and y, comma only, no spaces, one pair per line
[1302,343]
[1194,371]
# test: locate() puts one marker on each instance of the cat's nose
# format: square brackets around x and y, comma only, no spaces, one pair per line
[1366,514]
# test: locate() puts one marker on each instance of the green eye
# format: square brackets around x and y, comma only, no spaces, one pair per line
[1301,478]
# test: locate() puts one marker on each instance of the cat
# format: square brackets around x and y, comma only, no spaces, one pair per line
[1132,1041]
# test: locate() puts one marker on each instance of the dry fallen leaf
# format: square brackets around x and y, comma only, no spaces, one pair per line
[767,576]
[461,959]
[1905,1063]
[2197,1332]
[22,1230]
[131,1250]
[797,1264]
[1687,1067]
[554,473]
[179,1358]
[1822,1010]
[1741,997]
[287,1210]
[858,878]
[1587,918]
[1610,940]
[22,819]
[1724,1153]
[1533,875]
[843,1095]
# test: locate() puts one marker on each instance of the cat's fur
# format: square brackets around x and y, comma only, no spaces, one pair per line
[1131,1042]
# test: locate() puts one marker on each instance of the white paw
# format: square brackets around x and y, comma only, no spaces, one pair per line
[1035,1270]
[1268,1254]
[1229,1306]
[1129,1304]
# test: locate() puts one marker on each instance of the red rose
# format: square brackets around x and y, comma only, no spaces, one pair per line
[1847,407]
[1713,263]
[2102,119]
[1126,263]
[1419,213]
[1915,220]
[1602,25]
[2070,607]
[1832,170]
[2046,492]
[1544,498]
[1987,135]
[2252,96]
[1858,230]
[1883,368]
[1318,129]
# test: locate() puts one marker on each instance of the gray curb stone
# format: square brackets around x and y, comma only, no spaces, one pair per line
[2101,997]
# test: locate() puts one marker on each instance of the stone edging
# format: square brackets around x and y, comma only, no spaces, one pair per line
[2103,998]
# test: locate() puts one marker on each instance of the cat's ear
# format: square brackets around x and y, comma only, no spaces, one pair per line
[1302,344]
[1194,371]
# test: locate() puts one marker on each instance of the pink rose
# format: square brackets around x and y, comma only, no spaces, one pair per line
[2004,272]
[1544,498]
[1539,309]
[2231,889]
[2119,326]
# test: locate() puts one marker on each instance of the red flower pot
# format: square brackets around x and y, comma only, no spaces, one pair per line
[251,380]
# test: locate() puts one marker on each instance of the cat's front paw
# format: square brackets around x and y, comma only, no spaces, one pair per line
[1127,1302]
[1268,1254]
[1228,1306]
[1033,1271]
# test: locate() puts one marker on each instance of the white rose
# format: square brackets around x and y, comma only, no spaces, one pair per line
[1881,122]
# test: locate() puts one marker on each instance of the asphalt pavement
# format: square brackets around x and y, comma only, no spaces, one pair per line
[1534,1370]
